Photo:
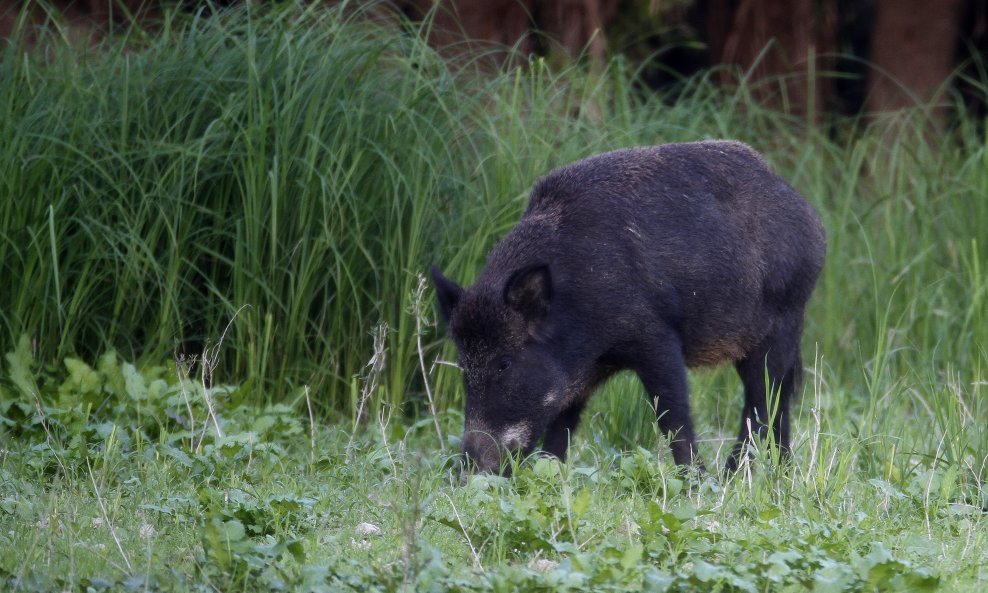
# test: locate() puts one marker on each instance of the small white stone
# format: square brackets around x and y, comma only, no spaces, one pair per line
[628,527]
[543,565]
[365,529]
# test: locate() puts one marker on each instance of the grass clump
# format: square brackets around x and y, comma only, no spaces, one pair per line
[239,160]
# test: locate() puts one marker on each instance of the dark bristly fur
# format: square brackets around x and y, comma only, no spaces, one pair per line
[651,259]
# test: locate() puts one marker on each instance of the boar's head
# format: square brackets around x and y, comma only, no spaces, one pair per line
[514,378]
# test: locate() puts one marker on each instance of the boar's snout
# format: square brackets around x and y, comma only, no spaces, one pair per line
[482,453]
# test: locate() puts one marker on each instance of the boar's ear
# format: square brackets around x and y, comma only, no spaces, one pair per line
[448,293]
[529,291]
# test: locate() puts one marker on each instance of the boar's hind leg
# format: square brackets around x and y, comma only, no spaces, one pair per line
[663,373]
[778,359]
[560,431]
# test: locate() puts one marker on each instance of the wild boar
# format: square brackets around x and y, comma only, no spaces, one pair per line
[652,259]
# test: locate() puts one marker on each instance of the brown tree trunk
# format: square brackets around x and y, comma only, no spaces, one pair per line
[570,26]
[493,25]
[577,25]
[912,52]
[777,46]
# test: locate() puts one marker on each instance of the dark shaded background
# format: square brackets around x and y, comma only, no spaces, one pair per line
[802,56]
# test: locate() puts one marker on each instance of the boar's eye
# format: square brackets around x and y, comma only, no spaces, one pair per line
[503,365]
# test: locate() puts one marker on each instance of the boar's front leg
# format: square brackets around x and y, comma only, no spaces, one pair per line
[662,369]
[560,431]
[777,358]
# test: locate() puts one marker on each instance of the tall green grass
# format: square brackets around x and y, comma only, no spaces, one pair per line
[290,172]
[287,173]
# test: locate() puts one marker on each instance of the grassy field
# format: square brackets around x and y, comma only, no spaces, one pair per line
[211,241]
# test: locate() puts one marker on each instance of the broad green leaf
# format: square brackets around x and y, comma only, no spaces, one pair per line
[581,503]
[157,389]
[19,364]
[297,550]
[707,572]
[109,367]
[262,424]
[768,514]
[134,382]
[632,555]
[657,581]
[546,468]
[82,378]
